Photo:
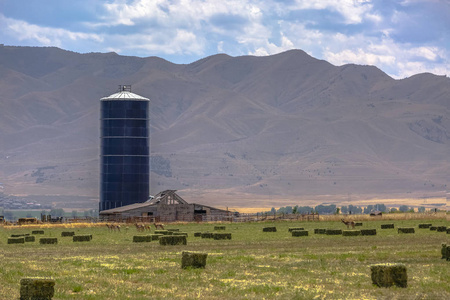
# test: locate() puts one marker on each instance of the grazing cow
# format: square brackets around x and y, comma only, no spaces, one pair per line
[349,223]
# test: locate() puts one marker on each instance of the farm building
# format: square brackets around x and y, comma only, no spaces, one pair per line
[167,206]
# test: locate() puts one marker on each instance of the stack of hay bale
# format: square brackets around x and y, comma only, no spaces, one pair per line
[193,259]
[387,275]
[37,288]
[270,229]
[173,240]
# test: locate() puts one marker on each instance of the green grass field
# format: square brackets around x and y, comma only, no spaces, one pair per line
[253,265]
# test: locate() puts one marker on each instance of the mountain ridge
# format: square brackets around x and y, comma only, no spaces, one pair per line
[287,125]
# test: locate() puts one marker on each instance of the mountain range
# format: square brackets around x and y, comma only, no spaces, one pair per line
[237,131]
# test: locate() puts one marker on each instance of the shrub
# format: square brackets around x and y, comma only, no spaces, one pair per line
[82,238]
[219,227]
[368,232]
[406,230]
[67,233]
[270,229]
[222,236]
[37,288]
[351,232]
[16,240]
[295,228]
[45,241]
[334,232]
[193,259]
[299,232]
[387,226]
[173,240]
[142,238]
[387,275]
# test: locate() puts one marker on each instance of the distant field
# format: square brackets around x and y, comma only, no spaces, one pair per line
[253,265]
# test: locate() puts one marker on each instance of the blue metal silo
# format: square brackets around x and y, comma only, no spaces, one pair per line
[125,149]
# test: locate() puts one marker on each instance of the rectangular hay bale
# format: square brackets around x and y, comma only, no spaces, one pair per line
[406,230]
[441,229]
[222,236]
[207,235]
[16,240]
[320,231]
[270,229]
[427,225]
[351,232]
[387,275]
[219,227]
[173,240]
[387,226]
[82,238]
[368,232]
[48,241]
[142,239]
[334,232]
[67,233]
[295,228]
[163,232]
[30,238]
[197,234]
[299,232]
[37,288]
[359,224]
[193,259]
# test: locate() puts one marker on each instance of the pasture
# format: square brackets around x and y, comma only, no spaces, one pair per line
[252,265]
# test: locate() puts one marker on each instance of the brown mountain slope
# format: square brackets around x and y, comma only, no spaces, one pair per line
[286,126]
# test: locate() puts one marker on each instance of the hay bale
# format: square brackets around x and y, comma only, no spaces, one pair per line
[193,259]
[295,228]
[333,232]
[448,230]
[37,232]
[368,232]
[48,241]
[351,232]
[219,227]
[387,275]
[82,238]
[387,226]
[222,236]
[441,229]
[173,229]
[173,240]
[16,240]
[68,233]
[155,237]
[197,234]
[270,229]
[20,235]
[142,239]
[320,231]
[163,232]
[299,232]
[180,233]
[444,251]
[406,230]
[433,228]
[37,288]
[359,224]
[30,238]
[207,235]
[427,225]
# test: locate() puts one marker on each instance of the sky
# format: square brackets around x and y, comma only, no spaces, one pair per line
[400,37]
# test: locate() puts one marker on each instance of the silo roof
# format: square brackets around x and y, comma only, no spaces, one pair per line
[124,95]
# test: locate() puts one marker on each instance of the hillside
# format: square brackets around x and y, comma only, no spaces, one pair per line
[238,131]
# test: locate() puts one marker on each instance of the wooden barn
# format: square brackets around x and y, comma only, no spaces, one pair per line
[166,206]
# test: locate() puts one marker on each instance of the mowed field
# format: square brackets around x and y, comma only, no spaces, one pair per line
[252,265]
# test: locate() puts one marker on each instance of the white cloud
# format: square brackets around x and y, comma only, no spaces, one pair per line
[46,36]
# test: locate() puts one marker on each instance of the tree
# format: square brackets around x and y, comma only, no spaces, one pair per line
[403,208]
[394,210]
[294,210]
[421,209]
[273,211]
[344,209]
[57,212]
